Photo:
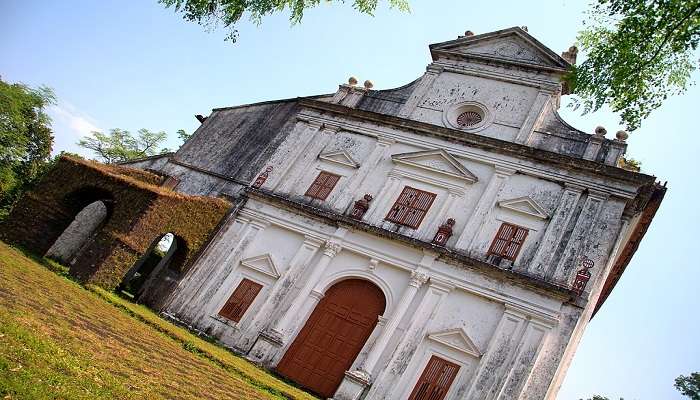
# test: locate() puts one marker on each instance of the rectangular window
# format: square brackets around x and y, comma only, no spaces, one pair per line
[322,186]
[508,241]
[240,300]
[411,206]
[435,380]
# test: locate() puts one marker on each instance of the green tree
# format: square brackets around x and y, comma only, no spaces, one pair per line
[119,145]
[639,52]
[25,137]
[689,386]
[211,13]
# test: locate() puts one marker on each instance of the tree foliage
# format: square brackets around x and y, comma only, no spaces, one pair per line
[639,52]
[689,385]
[119,145]
[25,137]
[211,13]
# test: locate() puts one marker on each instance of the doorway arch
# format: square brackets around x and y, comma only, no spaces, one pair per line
[162,261]
[90,208]
[333,336]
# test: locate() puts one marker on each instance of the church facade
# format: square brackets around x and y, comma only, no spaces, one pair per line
[447,239]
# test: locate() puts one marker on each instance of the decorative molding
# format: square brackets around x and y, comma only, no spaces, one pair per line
[339,157]
[456,339]
[524,205]
[512,45]
[418,278]
[443,163]
[331,248]
[476,155]
[264,263]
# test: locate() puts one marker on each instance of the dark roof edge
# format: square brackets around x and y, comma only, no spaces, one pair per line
[262,103]
[632,245]
[484,142]
[153,157]
[337,219]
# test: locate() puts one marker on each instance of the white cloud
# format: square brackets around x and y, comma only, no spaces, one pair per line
[78,123]
[69,125]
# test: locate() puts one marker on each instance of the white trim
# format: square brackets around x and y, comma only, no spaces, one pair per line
[462,172]
[339,157]
[468,346]
[536,210]
[538,170]
[268,260]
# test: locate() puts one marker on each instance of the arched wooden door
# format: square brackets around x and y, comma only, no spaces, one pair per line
[333,336]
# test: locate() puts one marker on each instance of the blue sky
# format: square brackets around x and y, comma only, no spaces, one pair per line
[132,65]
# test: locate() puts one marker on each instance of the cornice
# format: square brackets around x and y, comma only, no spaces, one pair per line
[455,258]
[483,142]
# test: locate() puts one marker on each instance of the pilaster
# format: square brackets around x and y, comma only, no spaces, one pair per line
[540,264]
[483,207]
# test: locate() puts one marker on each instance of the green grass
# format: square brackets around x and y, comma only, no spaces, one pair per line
[61,341]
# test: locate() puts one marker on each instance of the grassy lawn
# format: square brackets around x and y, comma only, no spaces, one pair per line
[59,340]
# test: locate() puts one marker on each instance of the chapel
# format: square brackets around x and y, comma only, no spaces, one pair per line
[447,239]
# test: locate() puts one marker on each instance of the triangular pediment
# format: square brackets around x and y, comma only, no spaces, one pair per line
[456,339]
[512,45]
[438,161]
[264,263]
[339,157]
[524,205]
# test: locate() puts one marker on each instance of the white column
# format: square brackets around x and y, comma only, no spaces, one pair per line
[533,117]
[308,131]
[418,278]
[290,318]
[423,86]
[377,155]
[580,237]
[298,263]
[540,265]
[308,156]
[383,199]
[415,332]
[483,207]
[497,360]
[231,260]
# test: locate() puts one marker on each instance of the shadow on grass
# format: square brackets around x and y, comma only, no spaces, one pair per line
[191,341]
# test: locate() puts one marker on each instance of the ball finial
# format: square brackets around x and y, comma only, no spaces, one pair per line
[368,84]
[600,131]
[622,135]
[352,81]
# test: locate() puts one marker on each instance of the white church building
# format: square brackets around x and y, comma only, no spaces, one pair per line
[447,239]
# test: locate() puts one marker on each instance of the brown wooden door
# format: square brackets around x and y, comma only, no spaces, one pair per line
[435,380]
[333,336]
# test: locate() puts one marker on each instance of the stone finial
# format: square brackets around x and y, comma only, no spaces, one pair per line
[352,81]
[622,135]
[524,28]
[368,84]
[570,55]
[600,131]
[468,33]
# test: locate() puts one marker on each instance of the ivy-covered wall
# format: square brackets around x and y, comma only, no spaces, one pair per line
[139,212]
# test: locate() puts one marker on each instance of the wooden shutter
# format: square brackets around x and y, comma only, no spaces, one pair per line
[240,300]
[411,207]
[508,241]
[322,185]
[435,380]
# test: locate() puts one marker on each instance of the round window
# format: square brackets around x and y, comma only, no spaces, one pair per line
[469,119]
[467,116]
